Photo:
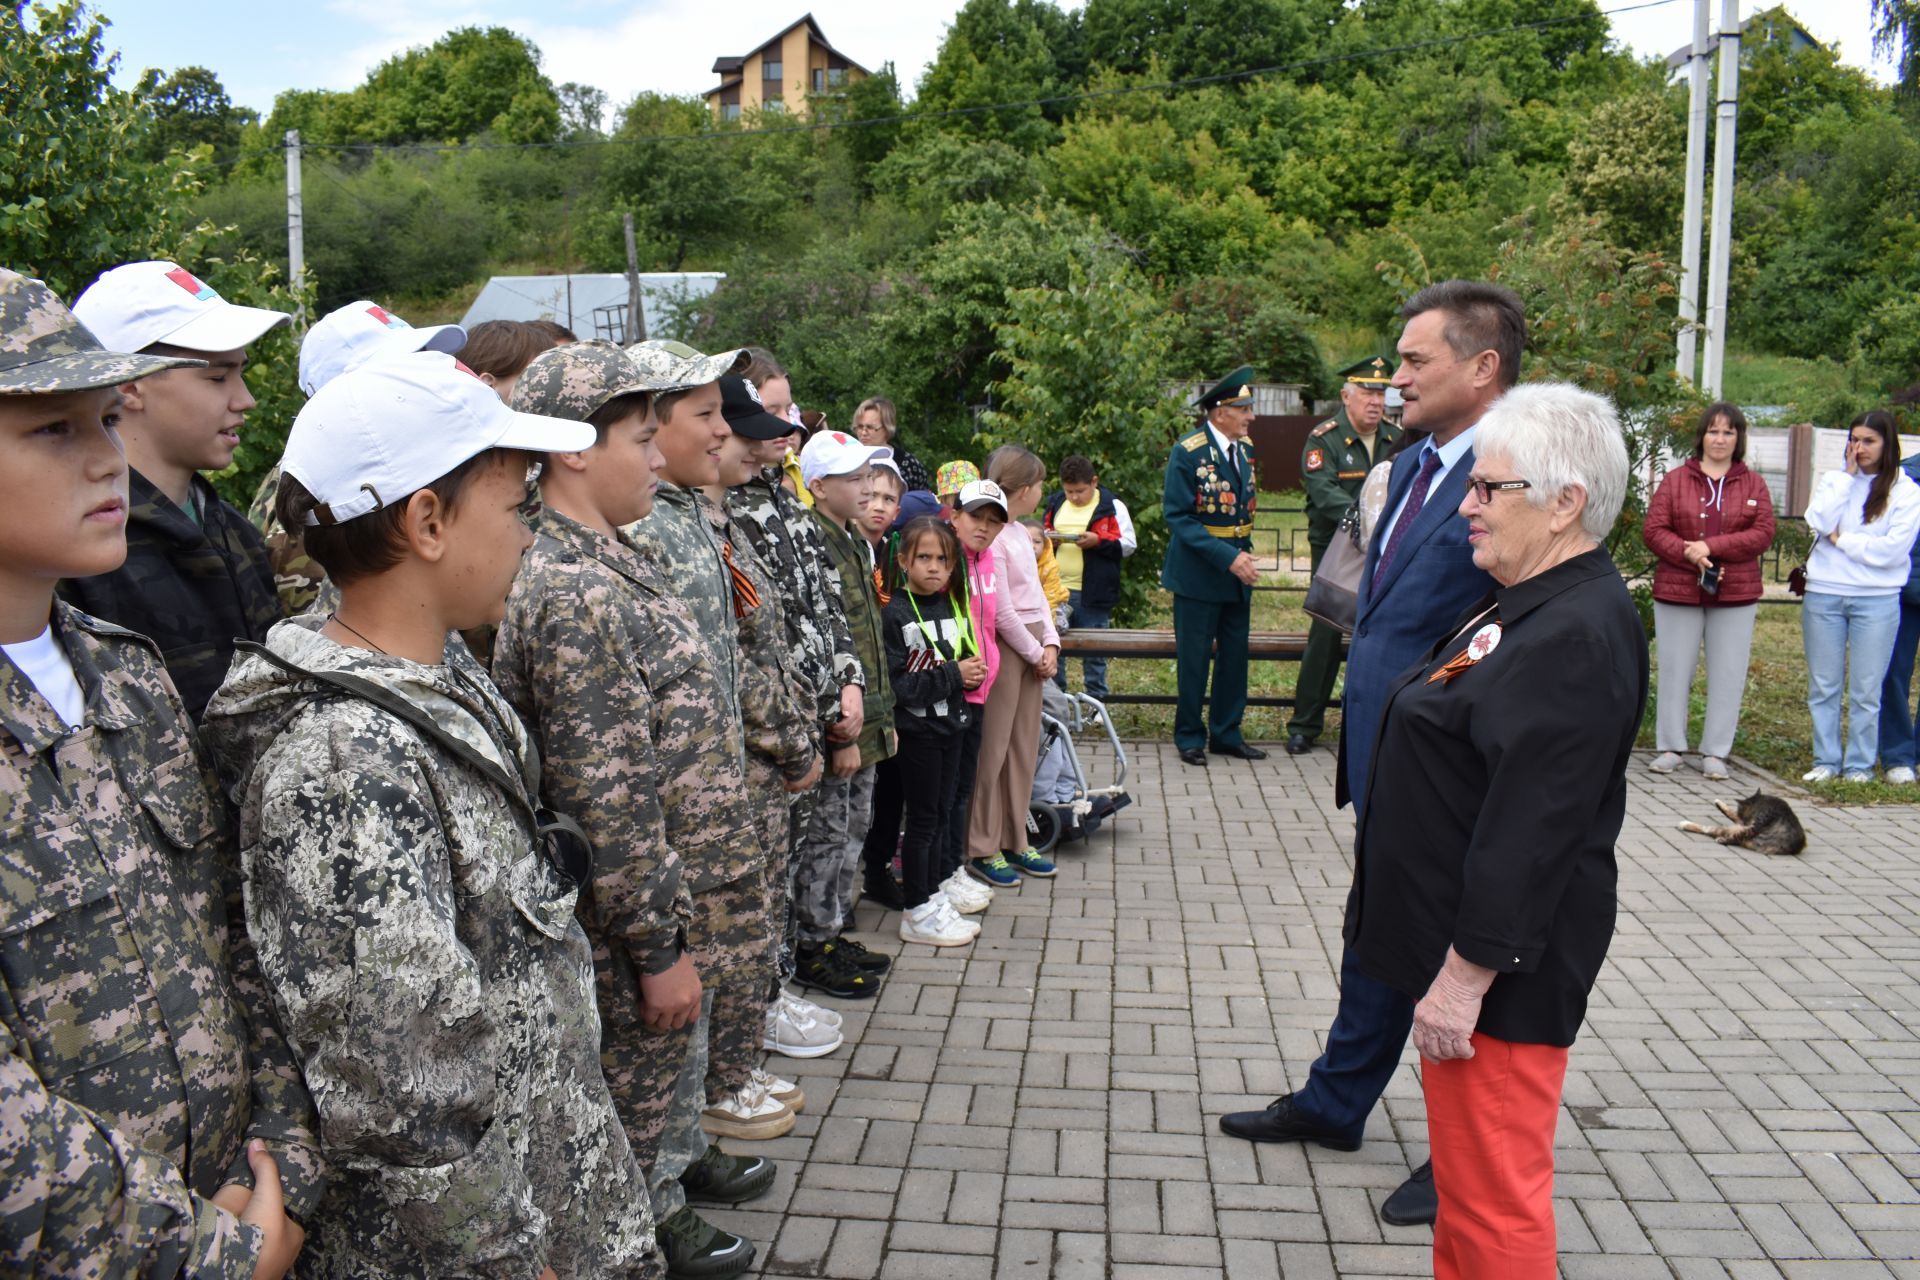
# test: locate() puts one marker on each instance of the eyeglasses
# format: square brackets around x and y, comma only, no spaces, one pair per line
[529,508]
[1485,489]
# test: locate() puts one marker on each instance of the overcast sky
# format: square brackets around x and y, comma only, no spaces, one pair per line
[665,45]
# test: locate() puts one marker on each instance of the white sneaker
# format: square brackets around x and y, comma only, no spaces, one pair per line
[1665,762]
[785,1091]
[967,895]
[1859,775]
[953,916]
[798,1036]
[1820,773]
[928,924]
[749,1113]
[801,1008]
[1714,769]
[1900,776]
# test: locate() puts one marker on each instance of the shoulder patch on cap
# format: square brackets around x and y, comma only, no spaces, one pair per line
[1325,427]
[1198,440]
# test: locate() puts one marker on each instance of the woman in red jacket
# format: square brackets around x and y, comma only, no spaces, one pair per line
[1710,522]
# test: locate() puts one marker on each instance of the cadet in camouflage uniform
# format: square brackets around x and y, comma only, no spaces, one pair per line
[1334,463]
[417,932]
[139,1054]
[606,663]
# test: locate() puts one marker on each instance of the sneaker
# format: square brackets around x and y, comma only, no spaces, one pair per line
[951,915]
[747,1113]
[995,870]
[720,1177]
[1665,762]
[884,892]
[801,1008]
[796,1035]
[821,968]
[860,956]
[1858,775]
[1714,768]
[1900,776]
[928,923]
[968,896]
[783,1091]
[1820,773]
[695,1249]
[1028,862]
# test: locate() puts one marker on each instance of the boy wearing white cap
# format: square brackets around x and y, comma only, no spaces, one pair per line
[837,469]
[197,574]
[412,907]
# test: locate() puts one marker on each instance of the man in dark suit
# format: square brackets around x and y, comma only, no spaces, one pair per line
[1459,352]
[1208,502]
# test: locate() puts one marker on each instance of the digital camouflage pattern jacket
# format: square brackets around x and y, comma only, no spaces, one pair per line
[852,563]
[788,542]
[295,575]
[426,962]
[681,544]
[138,1047]
[777,714]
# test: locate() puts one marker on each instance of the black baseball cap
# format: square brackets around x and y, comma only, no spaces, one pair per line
[740,406]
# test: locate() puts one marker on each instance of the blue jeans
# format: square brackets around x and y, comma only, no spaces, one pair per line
[1093,671]
[1899,743]
[1849,640]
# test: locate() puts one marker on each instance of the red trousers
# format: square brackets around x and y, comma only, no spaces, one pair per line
[1490,1121]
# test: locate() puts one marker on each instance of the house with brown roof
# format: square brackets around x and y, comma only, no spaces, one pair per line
[783,73]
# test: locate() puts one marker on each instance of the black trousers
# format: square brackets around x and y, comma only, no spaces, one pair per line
[876,855]
[929,773]
[953,840]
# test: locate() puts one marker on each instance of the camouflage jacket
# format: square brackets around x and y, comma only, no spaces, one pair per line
[782,531]
[681,544]
[295,576]
[774,706]
[189,587]
[588,625]
[426,963]
[138,1048]
[852,561]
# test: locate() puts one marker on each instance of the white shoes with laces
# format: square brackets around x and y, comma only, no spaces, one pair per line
[794,1028]
[749,1113]
[968,896]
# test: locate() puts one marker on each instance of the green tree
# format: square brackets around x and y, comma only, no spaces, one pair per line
[190,108]
[1626,169]
[1003,51]
[1189,38]
[1226,321]
[1088,371]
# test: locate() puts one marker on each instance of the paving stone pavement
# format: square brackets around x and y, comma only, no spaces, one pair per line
[1744,1101]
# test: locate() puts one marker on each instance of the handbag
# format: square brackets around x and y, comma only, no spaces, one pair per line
[1333,597]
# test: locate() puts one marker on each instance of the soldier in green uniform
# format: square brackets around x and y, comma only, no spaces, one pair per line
[1208,502]
[1333,466]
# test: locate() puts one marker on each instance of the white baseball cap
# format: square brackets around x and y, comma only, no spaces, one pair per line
[380,432]
[350,336]
[136,305]
[976,494]
[835,453]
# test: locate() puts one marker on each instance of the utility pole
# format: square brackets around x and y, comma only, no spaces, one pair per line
[296,229]
[1722,245]
[1686,362]
[636,317]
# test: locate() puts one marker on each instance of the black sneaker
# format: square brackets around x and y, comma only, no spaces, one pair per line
[860,956]
[885,893]
[823,968]
[720,1177]
[695,1249]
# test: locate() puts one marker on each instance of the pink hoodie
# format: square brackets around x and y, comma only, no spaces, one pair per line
[1024,600]
[984,601]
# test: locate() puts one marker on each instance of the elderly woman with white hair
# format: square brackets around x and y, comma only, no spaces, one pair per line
[1484,881]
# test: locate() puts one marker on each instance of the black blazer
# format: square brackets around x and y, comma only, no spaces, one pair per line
[1495,801]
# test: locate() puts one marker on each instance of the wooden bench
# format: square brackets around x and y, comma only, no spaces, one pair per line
[1114,642]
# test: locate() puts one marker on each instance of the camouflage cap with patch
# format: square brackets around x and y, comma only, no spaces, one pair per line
[574,380]
[45,351]
[667,365]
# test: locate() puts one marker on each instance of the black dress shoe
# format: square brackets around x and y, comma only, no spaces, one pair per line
[1414,1203]
[1298,744]
[1193,755]
[1283,1122]
[1240,751]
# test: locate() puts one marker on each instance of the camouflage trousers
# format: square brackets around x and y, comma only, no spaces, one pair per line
[777,835]
[787,939]
[828,855]
[682,1140]
[731,941]
[644,1069]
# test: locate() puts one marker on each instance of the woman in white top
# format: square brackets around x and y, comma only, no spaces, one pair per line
[1866,517]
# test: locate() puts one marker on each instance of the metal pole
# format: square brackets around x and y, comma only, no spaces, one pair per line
[1685,361]
[636,316]
[296,230]
[1722,244]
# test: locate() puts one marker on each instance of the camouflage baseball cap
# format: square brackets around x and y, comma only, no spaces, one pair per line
[45,351]
[574,380]
[667,365]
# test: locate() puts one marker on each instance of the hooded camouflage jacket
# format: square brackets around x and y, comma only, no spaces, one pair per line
[298,579]
[681,544]
[782,531]
[427,966]
[138,1049]
[774,706]
[604,664]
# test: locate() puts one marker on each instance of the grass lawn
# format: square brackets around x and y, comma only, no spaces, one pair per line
[1775,731]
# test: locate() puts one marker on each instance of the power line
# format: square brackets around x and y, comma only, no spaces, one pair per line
[821,126]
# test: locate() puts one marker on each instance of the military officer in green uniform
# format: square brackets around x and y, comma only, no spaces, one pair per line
[1333,467]
[1208,502]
